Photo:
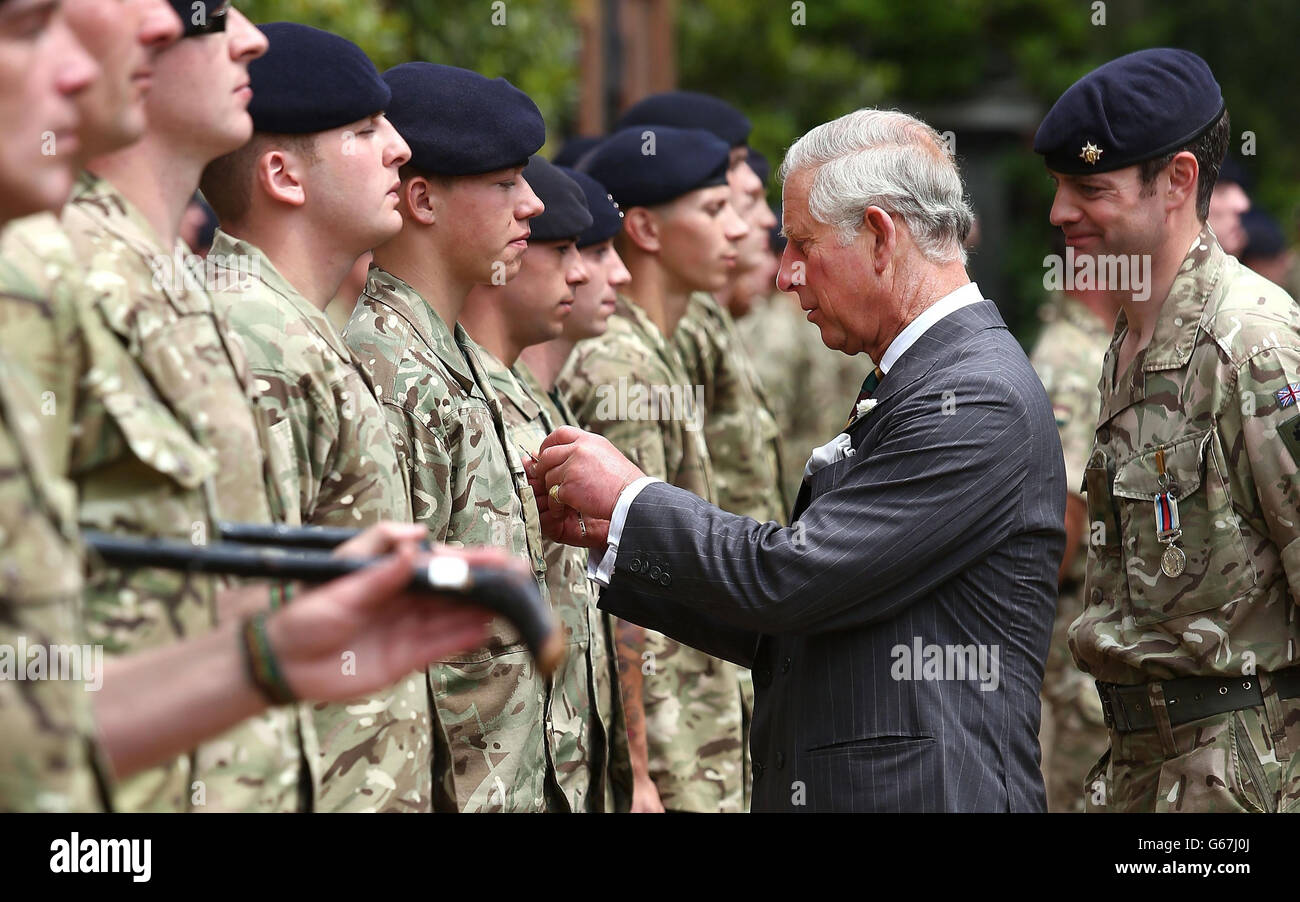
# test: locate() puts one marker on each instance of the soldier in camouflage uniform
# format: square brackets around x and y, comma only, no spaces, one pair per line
[583,708]
[1189,619]
[376,753]
[1067,358]
[46,757]
[693,702]
[139,297]
[467,482]
[592,306]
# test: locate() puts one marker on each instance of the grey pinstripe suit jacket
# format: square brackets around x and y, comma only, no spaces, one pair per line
[931,550]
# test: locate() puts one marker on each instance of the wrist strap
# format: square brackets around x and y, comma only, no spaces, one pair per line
[260,662]
[281,593]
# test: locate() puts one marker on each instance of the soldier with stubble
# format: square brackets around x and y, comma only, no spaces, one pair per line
[1189,618]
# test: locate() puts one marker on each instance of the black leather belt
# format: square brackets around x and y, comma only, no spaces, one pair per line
[1128,708]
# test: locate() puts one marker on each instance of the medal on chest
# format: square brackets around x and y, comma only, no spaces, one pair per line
[1174,560]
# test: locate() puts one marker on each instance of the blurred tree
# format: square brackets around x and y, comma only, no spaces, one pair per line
[792,65]
[533,43]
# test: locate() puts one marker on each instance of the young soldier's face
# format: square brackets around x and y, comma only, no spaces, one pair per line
[593,301]
[487,221]
[355,185]
[752,265]
[698,238]
[124,37]
[199,98]
[1227,204]
[540,296]
[43,68]
[1108,213]
[742,179]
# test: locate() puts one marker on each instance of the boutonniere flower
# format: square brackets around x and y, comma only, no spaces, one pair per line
[865,406]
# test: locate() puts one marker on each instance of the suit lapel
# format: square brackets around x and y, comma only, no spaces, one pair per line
[917,361]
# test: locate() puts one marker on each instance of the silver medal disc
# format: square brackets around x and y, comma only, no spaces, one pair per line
[1173,561]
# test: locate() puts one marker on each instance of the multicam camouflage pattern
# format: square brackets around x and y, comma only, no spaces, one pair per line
[46,763]
[1211,396]
[376,753]
[38,323]
[468,487]
[576,732]
[807,386]
[1073,734]
[693,702]
[741,433]
[563,565]
[163,446]
[1239,761]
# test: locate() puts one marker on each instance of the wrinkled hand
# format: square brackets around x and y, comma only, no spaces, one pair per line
[388,631]
[590,473]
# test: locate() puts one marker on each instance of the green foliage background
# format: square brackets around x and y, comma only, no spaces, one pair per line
[908,54]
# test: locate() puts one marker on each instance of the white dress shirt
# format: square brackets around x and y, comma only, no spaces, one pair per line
[836,449]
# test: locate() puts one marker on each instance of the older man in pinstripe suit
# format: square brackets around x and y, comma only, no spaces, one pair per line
[897,628]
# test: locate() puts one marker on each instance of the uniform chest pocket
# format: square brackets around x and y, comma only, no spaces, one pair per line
[1217,568]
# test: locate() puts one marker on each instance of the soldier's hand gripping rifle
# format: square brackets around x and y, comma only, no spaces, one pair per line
[512,595]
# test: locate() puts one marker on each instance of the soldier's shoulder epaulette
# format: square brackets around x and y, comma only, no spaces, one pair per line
[1248,314]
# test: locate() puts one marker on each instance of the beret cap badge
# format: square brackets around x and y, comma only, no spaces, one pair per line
[1090,154]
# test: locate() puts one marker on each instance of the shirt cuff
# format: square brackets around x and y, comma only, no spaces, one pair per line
[604,571]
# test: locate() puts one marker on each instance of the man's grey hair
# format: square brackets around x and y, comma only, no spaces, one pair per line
[891,160]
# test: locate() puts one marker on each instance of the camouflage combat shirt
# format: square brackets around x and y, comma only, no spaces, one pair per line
[578,733]
[630,386]
[46,725]
[739,429]
[468,487]
[139,474]
[1214,397]
[376,753]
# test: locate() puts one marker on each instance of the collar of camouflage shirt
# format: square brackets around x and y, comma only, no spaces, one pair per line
[1184,311]
[256,264]
[405,302]
[504,380]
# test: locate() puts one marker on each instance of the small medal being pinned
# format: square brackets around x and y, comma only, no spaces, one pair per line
[1174,560]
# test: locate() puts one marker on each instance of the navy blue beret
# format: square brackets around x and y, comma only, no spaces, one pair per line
[312,81]
[566,214]
[459,122]
[197,16]
[683,160]
[689,109]
[606,217]
[762,168]
[574,149]
[1233,171]
[776,239]
[1135,108]
[1264,236]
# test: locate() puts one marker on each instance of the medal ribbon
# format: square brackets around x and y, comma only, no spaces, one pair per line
[1166,505]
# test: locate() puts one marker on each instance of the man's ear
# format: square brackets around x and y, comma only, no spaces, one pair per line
[419,200]
[1183,172]
[279,175]
[642,228]
[881,234]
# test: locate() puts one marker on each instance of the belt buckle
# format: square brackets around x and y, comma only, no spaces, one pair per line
[1107,714]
